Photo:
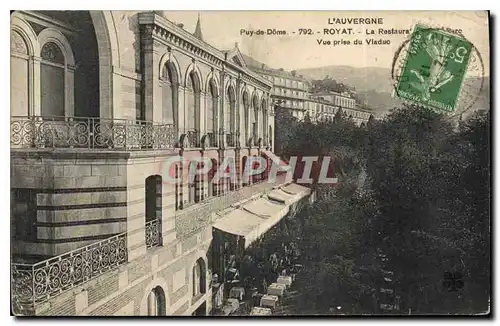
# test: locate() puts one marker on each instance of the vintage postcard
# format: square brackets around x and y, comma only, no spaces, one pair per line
[250,163]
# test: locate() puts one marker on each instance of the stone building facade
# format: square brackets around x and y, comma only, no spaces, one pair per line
[107,106]
[290,90]
[321,109]
[292,93]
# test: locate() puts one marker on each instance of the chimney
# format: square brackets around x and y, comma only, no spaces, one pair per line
[263,66]
[294,73]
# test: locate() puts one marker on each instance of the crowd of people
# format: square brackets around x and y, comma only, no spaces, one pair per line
[274,255]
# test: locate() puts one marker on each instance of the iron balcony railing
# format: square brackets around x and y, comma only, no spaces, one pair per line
[93,133]
[153,233]
[38,282]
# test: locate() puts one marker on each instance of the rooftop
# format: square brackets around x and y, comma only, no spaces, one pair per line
[263,68]
[331,93]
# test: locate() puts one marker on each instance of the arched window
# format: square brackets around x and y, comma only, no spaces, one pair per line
[212,108]
[212,186]
[263,113]
[230,116]
[52,80]
[193,101]
[170,93]
[255,119]
[153,202]
[246,113]
[198,182]
[156,302]
[199,277]
[178,188]
[192,198]
[19,76]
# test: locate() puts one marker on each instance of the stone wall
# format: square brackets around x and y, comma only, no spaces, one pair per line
[78,199]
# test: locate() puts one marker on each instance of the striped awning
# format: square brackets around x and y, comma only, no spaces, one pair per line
[296,190]
[281,196]
[252,219]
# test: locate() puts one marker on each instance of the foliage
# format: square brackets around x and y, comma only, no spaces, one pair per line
[328,84]
[423,198]
[432,224]
[285,125]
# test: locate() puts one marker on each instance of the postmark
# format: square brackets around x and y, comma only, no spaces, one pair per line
[438,69]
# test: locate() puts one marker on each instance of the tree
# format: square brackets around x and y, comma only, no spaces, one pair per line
[418,164]
[285,125]
[412,185]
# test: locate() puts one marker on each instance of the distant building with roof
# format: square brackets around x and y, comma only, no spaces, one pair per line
[292,92]
[290,89]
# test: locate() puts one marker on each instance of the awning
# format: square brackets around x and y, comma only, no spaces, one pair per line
[289,194]
[265,208]
[295,189]
[252,219]
[281,196]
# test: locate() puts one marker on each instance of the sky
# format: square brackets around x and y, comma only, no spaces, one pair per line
[222,30]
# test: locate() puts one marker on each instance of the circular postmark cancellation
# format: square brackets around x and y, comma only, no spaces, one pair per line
[439,69]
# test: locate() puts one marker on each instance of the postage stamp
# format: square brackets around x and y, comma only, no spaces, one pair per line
[435,68]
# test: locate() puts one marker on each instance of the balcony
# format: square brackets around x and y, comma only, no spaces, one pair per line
[196,216]
[90,133]
[36,283]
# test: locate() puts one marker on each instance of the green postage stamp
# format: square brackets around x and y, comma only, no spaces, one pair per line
[434,68]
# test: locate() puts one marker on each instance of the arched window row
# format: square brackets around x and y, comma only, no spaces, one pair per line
[46,86]
[199,278]
[215,118]
[156,304]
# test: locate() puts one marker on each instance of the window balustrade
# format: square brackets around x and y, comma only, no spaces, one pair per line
[194,138]
[153,233]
